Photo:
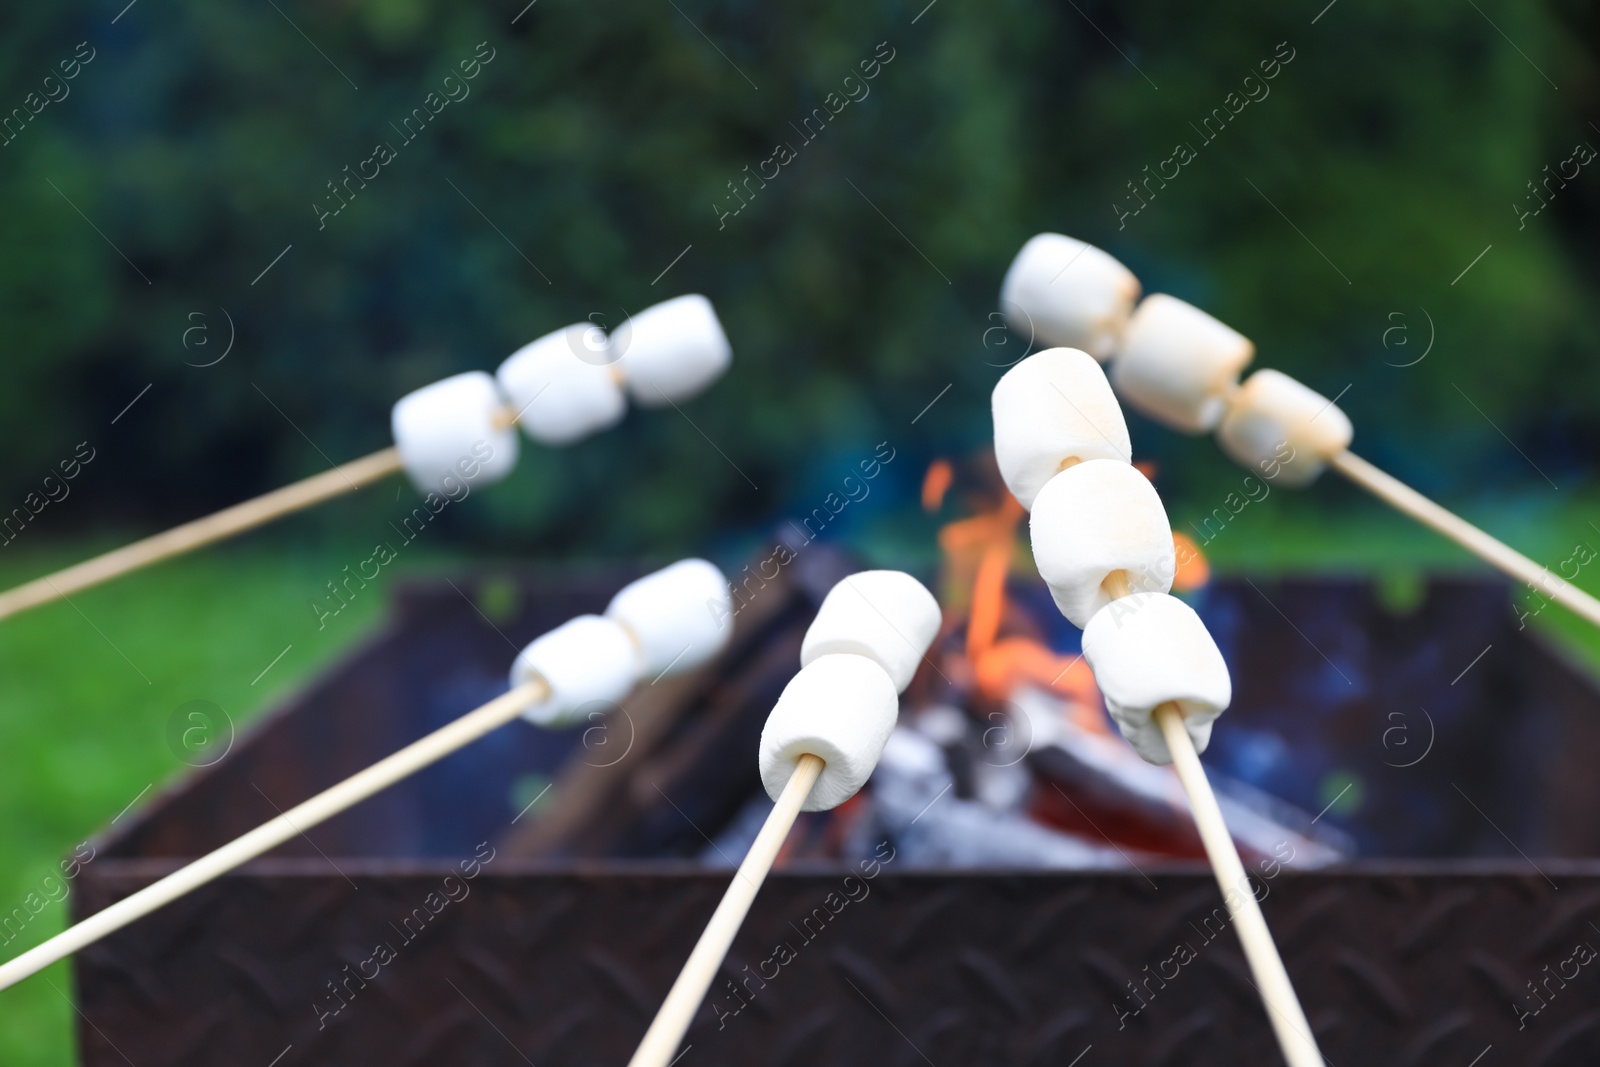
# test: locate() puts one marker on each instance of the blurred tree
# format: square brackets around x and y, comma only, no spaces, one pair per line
[596,149]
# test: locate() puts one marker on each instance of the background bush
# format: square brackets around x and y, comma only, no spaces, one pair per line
[598,143]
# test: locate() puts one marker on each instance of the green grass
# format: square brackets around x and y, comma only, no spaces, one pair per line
[87,694]
[87,691]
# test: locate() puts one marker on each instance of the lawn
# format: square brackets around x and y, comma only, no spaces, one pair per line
[91,688]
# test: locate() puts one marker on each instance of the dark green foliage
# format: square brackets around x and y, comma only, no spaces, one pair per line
[600,142]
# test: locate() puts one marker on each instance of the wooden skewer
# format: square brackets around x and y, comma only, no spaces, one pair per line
[672,1021]
[1272,981]
[1260,951]
[297,819]
[1468,536]
[225,523]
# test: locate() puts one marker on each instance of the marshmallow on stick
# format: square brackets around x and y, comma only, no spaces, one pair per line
[821,742]
[1052,410]
[460,431]
[1061,291]
[1103,546]
[1181,367]
[575,670]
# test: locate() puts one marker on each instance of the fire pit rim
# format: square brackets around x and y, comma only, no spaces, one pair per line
[678,869]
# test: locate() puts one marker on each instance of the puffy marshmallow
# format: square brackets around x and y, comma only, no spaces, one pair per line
[1051,410]
[588,662]
[887,616]
[1283,430]
[1095,518]
[561,387]
[680,616]
[839,707]
[1179,365]
[1149,649]
[449,432]
[671,351]
[1060,291]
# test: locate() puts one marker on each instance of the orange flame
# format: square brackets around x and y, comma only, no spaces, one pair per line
[1014,661]
[978,555]
[988,599]
[1193,570]
[935,484]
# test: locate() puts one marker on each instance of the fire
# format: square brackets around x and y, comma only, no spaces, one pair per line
[1014,661]
[988,597]
[935,484]
[979,552]
[1193,570]
[978,556]
[1084,781]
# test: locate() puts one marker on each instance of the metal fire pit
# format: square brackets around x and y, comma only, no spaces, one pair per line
[578,914]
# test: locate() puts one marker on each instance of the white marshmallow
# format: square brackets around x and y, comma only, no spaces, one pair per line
[887,616]
[1148,649]
[448,430]
[681,615]
[671,351]
[589,663]
[1283,430]
[1060,291]
[1095,518]
[1054,407]
[1179,365]
[558,395]
[839,707]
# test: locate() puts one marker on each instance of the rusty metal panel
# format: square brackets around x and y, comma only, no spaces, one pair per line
[562,945]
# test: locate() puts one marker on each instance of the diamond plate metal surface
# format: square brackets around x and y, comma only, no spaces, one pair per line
[1394,967]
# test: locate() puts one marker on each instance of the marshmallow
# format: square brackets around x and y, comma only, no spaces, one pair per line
[887,616]
[671,351]
[561,386]
[1050,410]
[586,661]
[839,707]
[1179,365]
[1060,291]
[1282,429]
[1149,649]
[447,434]
[680,616]
[1095,518]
